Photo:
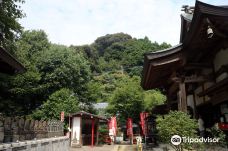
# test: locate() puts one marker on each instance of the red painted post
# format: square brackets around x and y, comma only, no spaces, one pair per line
[92,142]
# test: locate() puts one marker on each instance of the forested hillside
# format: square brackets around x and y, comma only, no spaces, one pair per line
[118,51]
[61,78]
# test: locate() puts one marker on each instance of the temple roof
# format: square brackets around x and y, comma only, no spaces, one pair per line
[86,114]
[159,65]
[8,64]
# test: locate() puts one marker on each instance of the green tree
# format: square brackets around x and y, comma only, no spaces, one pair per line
[95,91]
[153,98]
[61,100]
[176,123]
[32,44]
[127,99]
[61,67]
[24,91]
[101,43]
[103,85]
[49,68]
[133,54]
[10,12]
[116,50]
[90,53]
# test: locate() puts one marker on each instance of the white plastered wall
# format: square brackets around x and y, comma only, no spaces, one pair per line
[199,100]
[190,101]
[221,58]
[76,129]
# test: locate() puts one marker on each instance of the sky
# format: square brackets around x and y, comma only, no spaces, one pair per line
[79,22]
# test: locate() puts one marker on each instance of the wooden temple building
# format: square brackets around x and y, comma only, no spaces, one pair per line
[194,73]
[84,128]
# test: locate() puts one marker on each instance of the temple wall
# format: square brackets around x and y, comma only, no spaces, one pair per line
[48,144]
[13,129]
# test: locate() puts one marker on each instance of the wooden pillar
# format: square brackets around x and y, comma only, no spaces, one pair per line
[179,100]
[70,129]
[183,98]
[97,132]
[194,103]
[92,139]
[168,102]
[203,89]
[80,137]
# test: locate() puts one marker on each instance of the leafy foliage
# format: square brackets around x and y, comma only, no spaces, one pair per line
[153,98]
[129,99]
[10,12]
[61,100]
[115,51]
[103,133]
[61,67]
[218,133]
[106,41]
[102,86]
[49,68]
[176,123]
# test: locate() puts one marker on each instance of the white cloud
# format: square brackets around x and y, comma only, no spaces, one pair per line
[82,21]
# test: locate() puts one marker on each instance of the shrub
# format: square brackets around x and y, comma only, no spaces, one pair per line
[218,133]
[176,123]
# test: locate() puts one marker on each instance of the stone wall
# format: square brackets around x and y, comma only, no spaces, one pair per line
[20,129]
[46,144]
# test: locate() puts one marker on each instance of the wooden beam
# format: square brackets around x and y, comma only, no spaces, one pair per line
[214,89]
[193,79]
[192,66]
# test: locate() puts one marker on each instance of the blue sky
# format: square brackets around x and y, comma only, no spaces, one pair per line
[80,22]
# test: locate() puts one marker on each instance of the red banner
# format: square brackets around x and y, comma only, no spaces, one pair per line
[109,124]
[62,116]
[143,116]
[112,126]
[129,127]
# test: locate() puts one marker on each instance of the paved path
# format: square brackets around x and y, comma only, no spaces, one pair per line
[127,148]
[96,148]
[107,148]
